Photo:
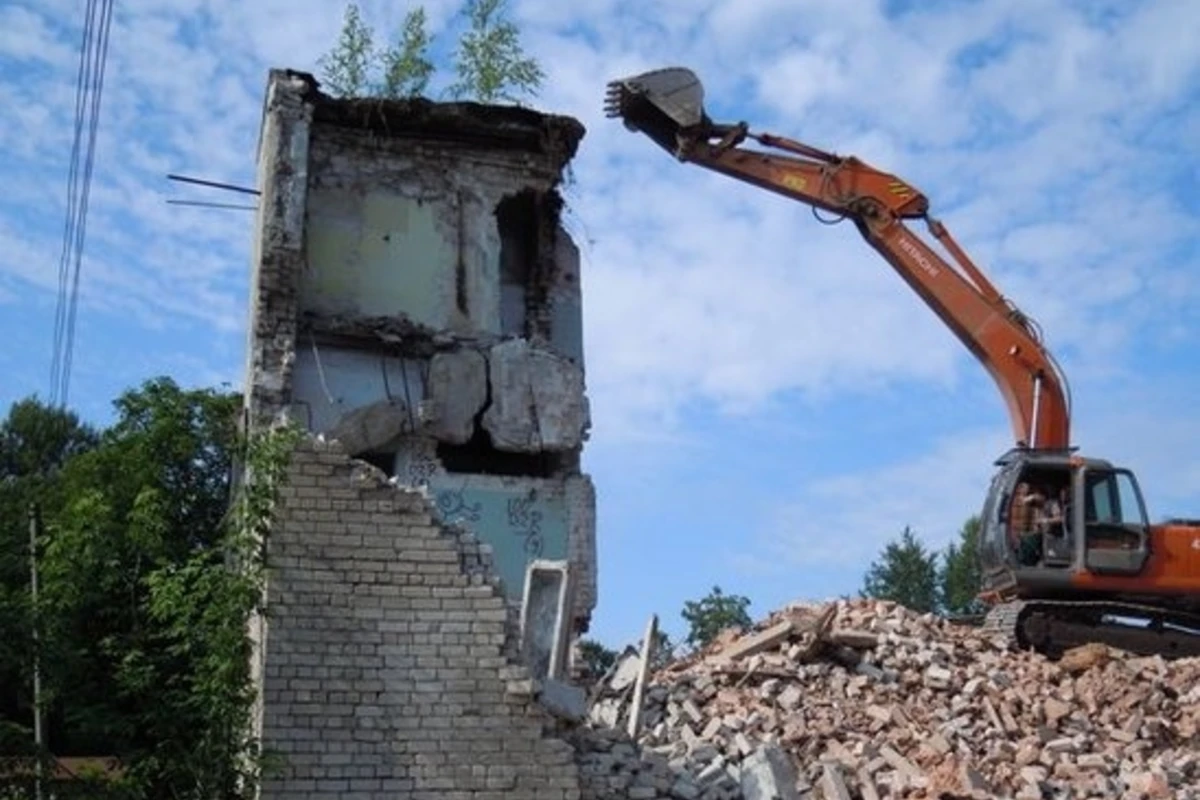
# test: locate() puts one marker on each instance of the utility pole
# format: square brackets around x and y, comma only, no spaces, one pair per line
[37,655]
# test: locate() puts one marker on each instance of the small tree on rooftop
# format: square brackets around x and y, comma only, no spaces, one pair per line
[345,68]
[406,65]
[489,61]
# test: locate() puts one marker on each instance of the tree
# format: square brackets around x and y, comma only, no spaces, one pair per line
[490,62]
[145,652]
[664,650]
[714,613]
[346,68]
[960,576]
[596,657]
[905,573]
[406,66]
[36,441]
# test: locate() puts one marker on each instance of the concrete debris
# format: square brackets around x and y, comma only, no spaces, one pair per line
[457,389]
[371,427]
[538,403]
[863,699]
[562,699]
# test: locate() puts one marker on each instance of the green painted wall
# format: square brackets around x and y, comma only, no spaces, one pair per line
[379,254]
[522,519]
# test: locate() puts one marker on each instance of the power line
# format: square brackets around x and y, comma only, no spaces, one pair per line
[89,86]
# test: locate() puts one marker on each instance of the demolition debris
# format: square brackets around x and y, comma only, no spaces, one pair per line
[868,700]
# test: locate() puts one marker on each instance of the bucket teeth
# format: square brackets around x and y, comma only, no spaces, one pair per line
[615,98]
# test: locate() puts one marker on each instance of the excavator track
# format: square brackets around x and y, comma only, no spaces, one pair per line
[1053,626]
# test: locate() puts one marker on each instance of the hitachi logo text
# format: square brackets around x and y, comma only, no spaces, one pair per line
[908,246]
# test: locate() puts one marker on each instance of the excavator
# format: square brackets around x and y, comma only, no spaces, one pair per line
[1067,553]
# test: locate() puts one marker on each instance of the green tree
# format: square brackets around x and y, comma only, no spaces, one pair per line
[346,68]
[36,441]
[960,576]
[596,657]
[714,613]
[906,572]
[145,651]
[664,650]
[489,61]
[406,65]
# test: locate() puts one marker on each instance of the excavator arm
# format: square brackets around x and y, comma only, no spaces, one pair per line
[667,106]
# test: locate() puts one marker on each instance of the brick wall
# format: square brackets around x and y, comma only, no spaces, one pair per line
[386,655]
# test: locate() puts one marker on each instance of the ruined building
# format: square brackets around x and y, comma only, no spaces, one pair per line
[416,307]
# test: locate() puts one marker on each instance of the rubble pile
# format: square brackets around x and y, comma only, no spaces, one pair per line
[862,699]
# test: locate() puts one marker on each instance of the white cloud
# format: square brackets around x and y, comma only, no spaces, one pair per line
[843,521]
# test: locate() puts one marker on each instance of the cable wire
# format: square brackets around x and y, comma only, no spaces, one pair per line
[89,87]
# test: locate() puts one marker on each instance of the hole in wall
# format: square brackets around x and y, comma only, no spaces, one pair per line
[383,461]
[517,223]
[480,457]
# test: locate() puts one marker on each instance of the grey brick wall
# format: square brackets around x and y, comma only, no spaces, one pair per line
[385,653]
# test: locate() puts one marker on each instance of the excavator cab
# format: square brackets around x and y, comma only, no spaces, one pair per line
[1050,518]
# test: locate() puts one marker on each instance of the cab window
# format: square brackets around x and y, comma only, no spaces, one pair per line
[1113,499]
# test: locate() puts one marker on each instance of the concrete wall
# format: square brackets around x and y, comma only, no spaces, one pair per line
[417,299]
[387,662]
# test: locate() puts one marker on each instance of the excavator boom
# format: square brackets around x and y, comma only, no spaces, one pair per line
[667,106]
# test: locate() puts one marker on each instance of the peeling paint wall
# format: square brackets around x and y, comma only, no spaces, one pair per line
[417,299]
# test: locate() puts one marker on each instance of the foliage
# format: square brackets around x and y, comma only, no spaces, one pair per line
[664,650]
[714,613]
[597,658]
[406,65]
[202,608]
[960,574]
[345,68]
[490,62]
[906,573]
[145,650]
[36,440]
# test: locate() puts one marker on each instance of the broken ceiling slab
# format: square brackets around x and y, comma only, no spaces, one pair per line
[371,427]
[458,389]
[538,401]
[467,123]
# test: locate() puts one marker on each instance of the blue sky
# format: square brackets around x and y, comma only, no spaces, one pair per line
[770,402]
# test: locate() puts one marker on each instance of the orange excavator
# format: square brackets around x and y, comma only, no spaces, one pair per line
[1067,552]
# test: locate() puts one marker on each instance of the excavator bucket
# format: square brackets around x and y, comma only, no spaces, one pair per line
[660,104]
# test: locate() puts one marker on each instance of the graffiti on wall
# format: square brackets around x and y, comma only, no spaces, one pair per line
[521,522]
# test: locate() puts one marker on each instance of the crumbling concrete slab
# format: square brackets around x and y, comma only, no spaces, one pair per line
[538,401]
[457,389]
[563,700]
[370,427]
[758,642]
